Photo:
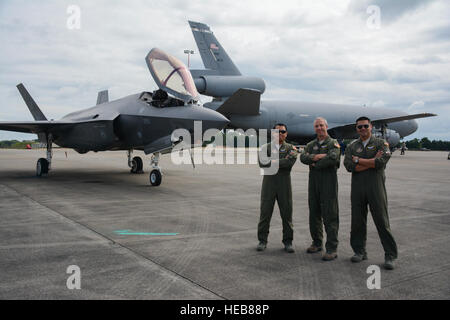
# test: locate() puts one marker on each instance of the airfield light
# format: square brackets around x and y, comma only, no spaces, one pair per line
[189,52]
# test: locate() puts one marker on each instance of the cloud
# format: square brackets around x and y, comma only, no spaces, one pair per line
[318,51]
[416,106]
[425,60]
[378,104]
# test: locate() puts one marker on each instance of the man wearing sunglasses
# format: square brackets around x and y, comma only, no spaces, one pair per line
[277,186]
[366,159]
[323,156]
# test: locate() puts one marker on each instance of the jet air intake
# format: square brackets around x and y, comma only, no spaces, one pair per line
[225,86]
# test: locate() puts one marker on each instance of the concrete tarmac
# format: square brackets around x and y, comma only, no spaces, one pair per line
[194,236]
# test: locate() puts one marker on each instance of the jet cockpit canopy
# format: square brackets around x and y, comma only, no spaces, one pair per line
[171,75]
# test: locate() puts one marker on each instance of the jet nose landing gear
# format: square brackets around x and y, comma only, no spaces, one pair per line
[155,177]
[155,174]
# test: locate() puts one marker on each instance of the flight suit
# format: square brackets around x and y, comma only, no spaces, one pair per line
[277,187]
[323,191]
[368,188]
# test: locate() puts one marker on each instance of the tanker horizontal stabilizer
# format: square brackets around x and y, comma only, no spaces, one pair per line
[243,102]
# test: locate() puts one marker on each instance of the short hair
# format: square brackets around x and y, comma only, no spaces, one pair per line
[279,125]
[323,119]
[362,119]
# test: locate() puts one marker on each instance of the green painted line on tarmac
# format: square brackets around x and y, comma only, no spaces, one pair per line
[131,233]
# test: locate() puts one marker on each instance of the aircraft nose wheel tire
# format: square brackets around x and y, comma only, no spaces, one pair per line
[41,167]
[137,165]
[155,177]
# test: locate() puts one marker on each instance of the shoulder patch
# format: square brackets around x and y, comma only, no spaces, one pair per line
[337,145]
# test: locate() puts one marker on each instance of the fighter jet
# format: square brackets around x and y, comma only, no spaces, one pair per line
[143,121]
[223,81]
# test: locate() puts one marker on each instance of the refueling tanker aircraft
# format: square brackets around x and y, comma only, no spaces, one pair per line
[143,121]
[244,108]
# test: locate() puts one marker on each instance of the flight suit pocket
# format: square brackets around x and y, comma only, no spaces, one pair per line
[371,151]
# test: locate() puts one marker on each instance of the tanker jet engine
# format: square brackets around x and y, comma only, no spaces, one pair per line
[222,80]
[143,121]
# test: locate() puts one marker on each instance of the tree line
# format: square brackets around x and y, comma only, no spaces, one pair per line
[437,145]
[16,144]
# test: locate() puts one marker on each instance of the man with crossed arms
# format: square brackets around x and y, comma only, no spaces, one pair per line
[366,159]
[323,157]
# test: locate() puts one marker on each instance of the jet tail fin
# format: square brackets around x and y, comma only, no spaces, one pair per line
[31,104]
[213,55]
[102,97]
[34,109]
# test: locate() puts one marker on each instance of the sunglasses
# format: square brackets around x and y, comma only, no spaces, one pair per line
[282,131]
[363,126]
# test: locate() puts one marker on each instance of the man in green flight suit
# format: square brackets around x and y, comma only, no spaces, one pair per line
[366,159]
[276,160]
[323,156]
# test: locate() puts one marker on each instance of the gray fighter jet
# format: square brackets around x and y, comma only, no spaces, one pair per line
[143,121]
[222,80]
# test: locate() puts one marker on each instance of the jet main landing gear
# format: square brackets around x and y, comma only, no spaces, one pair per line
[136,164]
[44,165]
[41,167]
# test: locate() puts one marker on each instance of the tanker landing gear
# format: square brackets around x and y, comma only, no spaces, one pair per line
[155,174]
[44,165]
[135,164]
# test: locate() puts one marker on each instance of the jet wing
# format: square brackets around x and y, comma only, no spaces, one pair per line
[42,126]
[33,126]
[349,130]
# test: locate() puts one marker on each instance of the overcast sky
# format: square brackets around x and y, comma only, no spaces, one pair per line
[321,51]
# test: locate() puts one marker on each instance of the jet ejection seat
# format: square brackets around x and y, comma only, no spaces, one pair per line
[161,99]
